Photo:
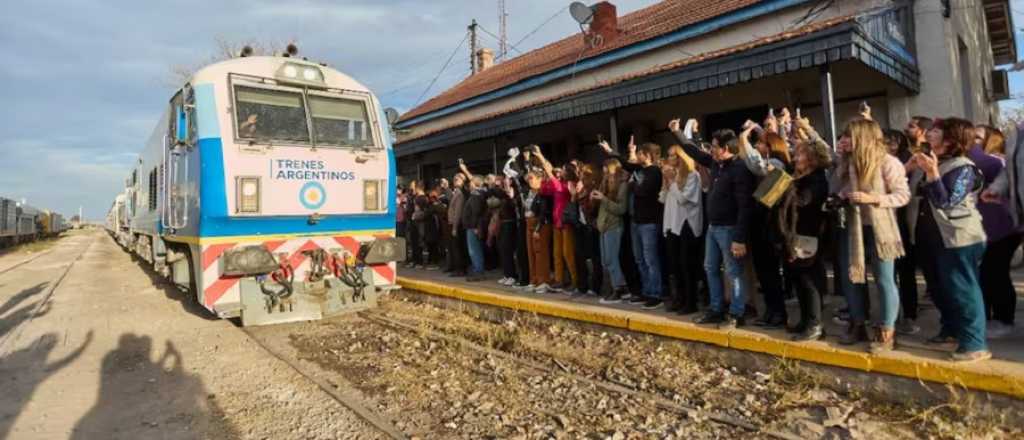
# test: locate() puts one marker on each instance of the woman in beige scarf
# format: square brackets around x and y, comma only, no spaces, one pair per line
[874,184]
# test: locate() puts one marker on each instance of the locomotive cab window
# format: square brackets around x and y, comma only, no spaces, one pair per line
[341,122]
[277,115]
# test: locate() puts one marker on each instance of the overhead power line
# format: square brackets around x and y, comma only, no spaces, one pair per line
[539,27]
[445,67]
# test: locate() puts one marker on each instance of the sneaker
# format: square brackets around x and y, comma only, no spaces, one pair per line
[907,327]
[420,266]
[542,289]
[576,293]
[970,356]
[687,310]
[526,287]
[626,295]
[729,322]
[841,316]
[652,304]
[710,318]
[613,297]
[809,333]
[998,330]
[433,267]
[637,299]
[771,321]
[942,343]
[591,292]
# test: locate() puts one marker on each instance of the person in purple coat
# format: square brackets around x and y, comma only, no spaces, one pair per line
[1003,240]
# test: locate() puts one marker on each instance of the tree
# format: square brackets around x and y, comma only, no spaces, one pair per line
[226,49]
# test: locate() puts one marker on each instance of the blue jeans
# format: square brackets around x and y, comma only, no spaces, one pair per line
[718,249]
[476,252]
[885,280]
[960,293]
[611,241]
[645,252]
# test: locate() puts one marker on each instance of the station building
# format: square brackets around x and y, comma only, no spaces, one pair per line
[723,62]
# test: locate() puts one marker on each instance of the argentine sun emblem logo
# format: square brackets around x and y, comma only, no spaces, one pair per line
[312,195]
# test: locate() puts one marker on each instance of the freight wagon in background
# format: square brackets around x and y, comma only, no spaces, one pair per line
[21,223]
[267,191]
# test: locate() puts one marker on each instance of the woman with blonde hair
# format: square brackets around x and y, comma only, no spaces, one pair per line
[611,199]
[874,185]
[682,226]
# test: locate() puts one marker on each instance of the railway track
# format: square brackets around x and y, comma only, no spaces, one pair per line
[560,369]
[22,263]
[345,397]
[419,332]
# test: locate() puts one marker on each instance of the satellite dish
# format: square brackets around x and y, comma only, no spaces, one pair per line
[392,115]
[582,13]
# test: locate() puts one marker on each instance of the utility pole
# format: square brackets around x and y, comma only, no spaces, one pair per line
[472,47]
[503,30]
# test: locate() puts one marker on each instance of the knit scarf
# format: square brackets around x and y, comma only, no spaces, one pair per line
[888,245]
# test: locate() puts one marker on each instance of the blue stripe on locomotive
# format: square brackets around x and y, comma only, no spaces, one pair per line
[213,212]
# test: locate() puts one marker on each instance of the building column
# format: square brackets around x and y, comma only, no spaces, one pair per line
[828,106]
[613,122]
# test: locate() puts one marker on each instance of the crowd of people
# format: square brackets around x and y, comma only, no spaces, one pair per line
[709,222]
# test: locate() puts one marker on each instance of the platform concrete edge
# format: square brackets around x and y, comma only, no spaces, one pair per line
[947,373]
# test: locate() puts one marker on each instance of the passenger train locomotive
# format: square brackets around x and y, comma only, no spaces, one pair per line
[266,191]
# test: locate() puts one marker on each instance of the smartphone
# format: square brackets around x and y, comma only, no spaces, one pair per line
[600,138]
[461,162]
[926,148]
[798,113]
[864,106]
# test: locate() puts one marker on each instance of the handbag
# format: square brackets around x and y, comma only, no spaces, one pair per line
[805,247]
[772,187]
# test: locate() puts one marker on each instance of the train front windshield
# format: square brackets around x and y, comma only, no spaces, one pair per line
[271,115]
[264,115]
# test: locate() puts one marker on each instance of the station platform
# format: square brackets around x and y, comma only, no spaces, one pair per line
[1004,374]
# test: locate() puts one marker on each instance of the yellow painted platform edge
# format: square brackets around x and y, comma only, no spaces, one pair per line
[926,370]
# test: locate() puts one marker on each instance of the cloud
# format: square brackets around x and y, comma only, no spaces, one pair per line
[84,81]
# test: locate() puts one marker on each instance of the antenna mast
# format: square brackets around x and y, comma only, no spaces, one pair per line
[503,30]
[472,47]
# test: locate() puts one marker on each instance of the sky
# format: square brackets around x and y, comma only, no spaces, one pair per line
[85,81]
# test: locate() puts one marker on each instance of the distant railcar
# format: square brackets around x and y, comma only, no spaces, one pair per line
[267,191]
[8,222]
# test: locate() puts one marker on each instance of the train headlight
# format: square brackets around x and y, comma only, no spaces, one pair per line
[247,200]
[291,71]
[372,199]
[302,73]
[311,74]
[248,260]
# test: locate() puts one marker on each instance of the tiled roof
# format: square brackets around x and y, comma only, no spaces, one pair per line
[798,32]
[640,25]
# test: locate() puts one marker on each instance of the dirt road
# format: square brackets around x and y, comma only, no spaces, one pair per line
[113,353]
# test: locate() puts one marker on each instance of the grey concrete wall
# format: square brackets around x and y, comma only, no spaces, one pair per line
[942,79]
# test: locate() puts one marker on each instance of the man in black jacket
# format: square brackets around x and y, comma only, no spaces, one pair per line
[728,212]
[474,219]
[646,211]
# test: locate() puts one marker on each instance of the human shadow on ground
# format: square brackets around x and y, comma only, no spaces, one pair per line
[20,297]
[140,397]
[10,321]
[22,372]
